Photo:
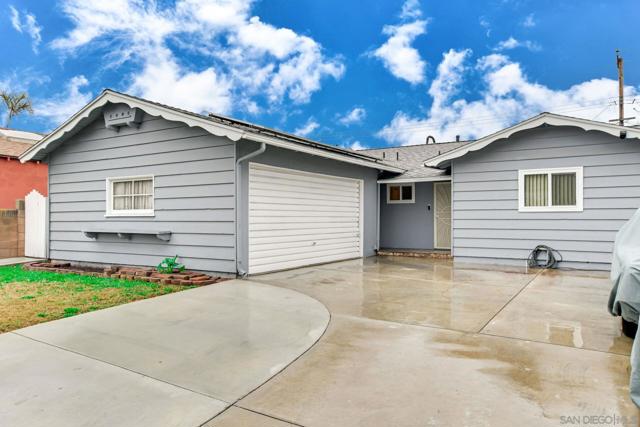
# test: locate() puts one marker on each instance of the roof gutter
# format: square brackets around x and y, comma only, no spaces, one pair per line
[342,157]
[401,180]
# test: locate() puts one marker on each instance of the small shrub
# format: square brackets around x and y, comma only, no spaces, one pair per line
[170,265]
[41,314]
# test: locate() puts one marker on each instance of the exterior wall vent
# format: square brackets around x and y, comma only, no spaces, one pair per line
[122,115]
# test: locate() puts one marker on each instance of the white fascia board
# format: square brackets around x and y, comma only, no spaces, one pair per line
[214,128]
[539,120]
[410,180]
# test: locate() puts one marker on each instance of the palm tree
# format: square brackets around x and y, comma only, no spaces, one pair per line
[15,103]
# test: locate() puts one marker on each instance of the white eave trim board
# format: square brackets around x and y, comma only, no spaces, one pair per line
[410,180]
[218,129]
[534,122]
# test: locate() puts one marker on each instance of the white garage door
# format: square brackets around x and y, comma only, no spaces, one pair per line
[299,218]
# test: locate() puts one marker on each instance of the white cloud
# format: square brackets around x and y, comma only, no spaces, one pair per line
[484,23]
[163,80]
[307,128]
[63,105]
[397,53]
[356,115]
[27,23]
[507,97]
[357,145]
[242,62]
[512,43]
[410,9]
[529,21]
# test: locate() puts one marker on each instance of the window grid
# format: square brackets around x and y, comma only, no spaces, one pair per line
[130,196]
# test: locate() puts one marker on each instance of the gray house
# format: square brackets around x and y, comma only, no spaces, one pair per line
[561,181]
[132,181]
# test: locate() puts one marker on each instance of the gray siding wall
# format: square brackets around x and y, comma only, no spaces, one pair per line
[304,162]
[487,226]
[194,195]
[407,225]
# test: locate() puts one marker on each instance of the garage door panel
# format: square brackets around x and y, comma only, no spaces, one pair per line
[295,182]
[324,226]
[300,193]
[297,213]
[306,242]
[302,259]
[317,180]
[299,251]
[305,208]
[299,201]
[297,218]
[276,218]
[255,234]
[304,238]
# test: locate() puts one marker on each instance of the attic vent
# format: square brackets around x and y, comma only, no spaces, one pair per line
[119,116]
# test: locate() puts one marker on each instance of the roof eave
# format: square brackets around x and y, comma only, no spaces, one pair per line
[39,150]
[533,122]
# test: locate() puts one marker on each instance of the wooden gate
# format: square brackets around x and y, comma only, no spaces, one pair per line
[35,225]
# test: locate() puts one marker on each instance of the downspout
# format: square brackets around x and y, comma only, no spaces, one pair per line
[241,270]
[377,217]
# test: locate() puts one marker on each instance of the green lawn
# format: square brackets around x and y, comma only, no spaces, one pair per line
[30,297]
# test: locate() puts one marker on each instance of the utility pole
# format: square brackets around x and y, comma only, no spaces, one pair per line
[620,65]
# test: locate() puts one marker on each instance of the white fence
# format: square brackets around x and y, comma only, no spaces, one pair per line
[35,225]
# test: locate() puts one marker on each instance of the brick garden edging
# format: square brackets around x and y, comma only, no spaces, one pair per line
[184,278]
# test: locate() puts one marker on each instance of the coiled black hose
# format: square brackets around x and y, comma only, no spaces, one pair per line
[552,258]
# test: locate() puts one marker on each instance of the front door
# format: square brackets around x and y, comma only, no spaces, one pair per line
[442,220]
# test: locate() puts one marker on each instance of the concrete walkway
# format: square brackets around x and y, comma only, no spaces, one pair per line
[174,360]
[17,260]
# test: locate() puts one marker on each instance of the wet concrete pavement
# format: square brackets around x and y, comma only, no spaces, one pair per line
[410,342]
[174,360]
[419,342]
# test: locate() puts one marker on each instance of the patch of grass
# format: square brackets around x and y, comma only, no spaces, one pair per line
[71,311]
[30,297]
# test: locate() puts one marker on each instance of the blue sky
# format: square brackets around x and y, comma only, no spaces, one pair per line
[350,73]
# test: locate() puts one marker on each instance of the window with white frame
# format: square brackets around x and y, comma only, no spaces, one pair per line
[130,196]
[550,190]
[401,193]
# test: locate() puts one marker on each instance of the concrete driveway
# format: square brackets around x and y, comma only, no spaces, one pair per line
[419,342]
[175,360]
[410,342]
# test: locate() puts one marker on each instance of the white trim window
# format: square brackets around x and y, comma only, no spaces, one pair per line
[401,193]
[550,190]
[130,196]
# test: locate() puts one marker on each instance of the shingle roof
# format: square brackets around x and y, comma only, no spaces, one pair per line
[412,157]
[10,148]
[251,127]
[214,123]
